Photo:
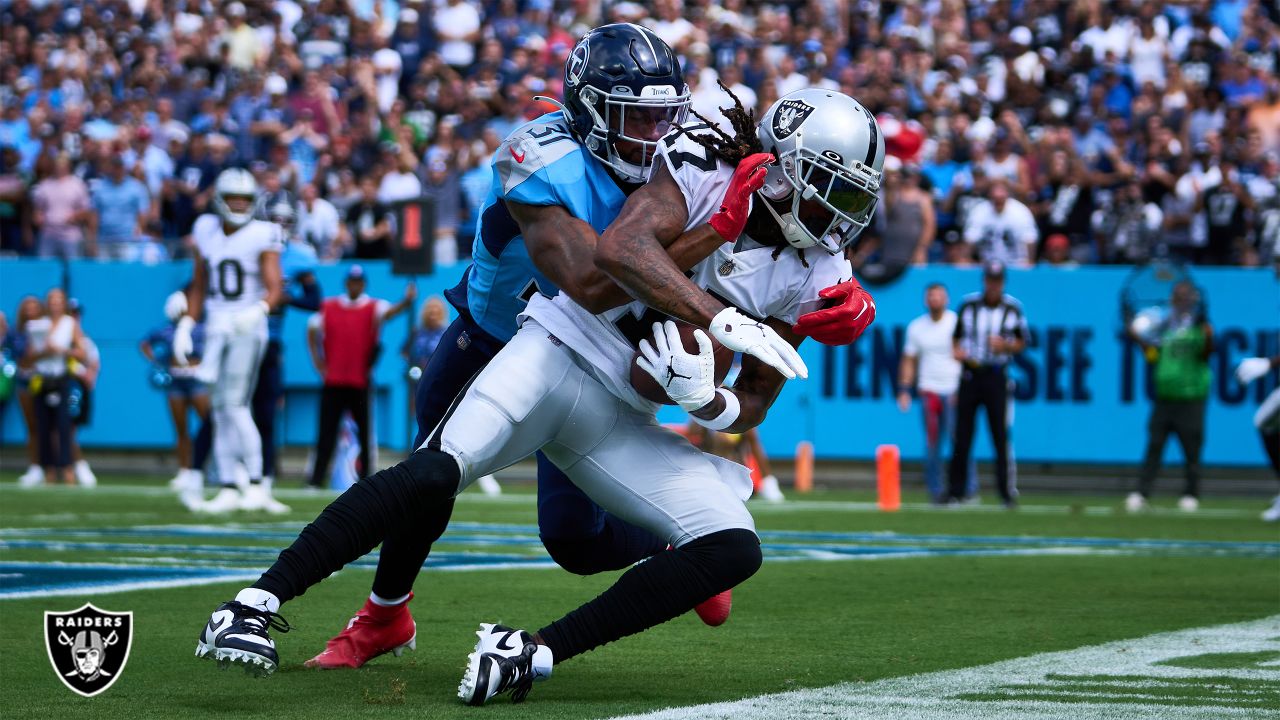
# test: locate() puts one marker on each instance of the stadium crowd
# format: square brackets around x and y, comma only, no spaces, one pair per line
[1021,130]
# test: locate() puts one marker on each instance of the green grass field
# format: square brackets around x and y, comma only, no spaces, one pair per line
[846,594]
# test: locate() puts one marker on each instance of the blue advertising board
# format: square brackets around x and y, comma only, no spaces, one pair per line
[1082,390]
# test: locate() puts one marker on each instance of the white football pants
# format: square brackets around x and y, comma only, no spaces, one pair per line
[230,362]
[536,395]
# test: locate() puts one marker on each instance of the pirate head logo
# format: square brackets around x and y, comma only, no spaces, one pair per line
[88,647]
[789,116]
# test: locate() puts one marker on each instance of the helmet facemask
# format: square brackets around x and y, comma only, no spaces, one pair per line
[231,216]
[240,184]
[642,121]
[831,204]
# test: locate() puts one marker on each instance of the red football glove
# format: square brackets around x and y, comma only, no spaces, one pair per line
[748,177]
[842,323]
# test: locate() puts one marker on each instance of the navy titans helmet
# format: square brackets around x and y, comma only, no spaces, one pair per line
[623,85]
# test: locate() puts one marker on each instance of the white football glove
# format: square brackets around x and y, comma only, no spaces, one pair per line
[690,380]
[250,318]
[1251,369]
[740,333]
[183,345]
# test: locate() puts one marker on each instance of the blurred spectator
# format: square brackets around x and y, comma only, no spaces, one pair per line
[1064,206]
[147,162]
[1002,228]
[367,232]
[1057,251]
[318,223]
[1180,347]
[457,23]
[903,226]
[120,205]
[16,235]
[1223,207]
[400,183]
[443,188]
[62,209]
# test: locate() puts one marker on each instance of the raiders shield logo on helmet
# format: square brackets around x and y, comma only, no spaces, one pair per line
[88,647]
[789,116]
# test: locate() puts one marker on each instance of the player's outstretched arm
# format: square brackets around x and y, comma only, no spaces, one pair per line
[757,387]
[564,248]
[631,252]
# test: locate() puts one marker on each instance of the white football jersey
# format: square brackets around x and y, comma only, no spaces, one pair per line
[744,275]
[232,263]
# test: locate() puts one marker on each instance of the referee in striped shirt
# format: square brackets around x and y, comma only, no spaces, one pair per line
[990,330]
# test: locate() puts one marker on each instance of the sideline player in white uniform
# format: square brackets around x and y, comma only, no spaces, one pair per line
[237,282]
[561,386]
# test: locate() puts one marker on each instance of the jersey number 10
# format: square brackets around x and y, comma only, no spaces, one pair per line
[226,279]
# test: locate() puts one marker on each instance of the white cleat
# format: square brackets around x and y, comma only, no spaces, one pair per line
[227,500]
[190,489]
[1135,502]
[33,477]
[503,660]
[256,497]
[769,490]
[1188,503]
[84,474]
[1272,514]
[489,485]
[237,633]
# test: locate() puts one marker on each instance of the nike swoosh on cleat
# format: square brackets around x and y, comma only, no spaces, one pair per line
[213,627]
[502,644]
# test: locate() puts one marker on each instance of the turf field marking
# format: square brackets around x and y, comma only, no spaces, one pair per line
[191,554]
[791,506]
[1122,680]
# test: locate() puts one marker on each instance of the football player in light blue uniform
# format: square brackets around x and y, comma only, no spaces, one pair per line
[558,181]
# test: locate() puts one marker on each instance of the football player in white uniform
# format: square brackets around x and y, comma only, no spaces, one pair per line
[562,386]
[237,282]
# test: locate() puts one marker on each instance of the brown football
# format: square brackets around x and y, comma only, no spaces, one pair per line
[649,389]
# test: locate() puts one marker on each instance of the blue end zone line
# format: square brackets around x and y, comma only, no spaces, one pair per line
[484,533]
[257,553]
[78,578]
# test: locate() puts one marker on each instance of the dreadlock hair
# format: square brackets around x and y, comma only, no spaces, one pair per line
[731,148]
[734,148]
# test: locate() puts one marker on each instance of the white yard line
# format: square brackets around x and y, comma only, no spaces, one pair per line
[1078,679]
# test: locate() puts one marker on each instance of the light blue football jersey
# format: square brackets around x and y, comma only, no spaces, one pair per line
[540,163]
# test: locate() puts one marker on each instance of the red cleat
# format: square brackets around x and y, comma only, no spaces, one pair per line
[715,610]
[375,630]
